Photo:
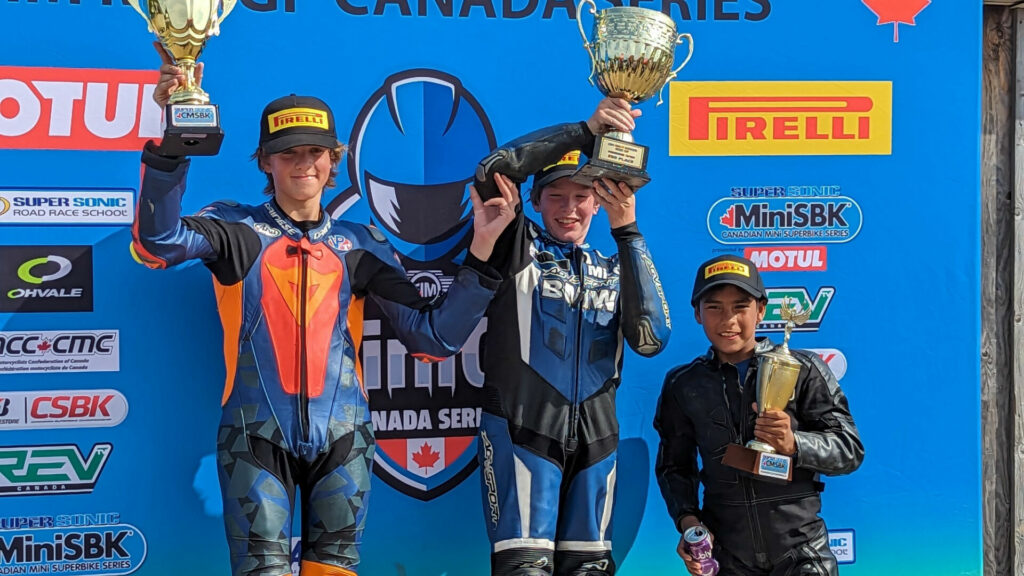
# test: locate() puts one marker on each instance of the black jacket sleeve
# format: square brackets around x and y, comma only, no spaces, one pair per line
[676,465]
[527,155]
[827,440]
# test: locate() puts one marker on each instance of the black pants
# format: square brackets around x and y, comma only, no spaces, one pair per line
[813,558]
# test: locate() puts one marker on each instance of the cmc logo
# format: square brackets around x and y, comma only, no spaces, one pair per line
[780,118]
[843,545]
[77,108]
[64,409]
[782,259]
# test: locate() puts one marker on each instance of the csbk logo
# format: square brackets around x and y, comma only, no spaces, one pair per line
[77,109]
[56,468]
[799,296]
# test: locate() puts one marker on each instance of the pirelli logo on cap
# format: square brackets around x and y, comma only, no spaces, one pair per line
[780,118]
[726,267]
[570,159]
[295,117]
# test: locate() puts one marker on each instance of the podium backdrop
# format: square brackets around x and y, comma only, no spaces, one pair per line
[835,143]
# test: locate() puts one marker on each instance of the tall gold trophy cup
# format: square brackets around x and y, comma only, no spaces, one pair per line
[631,55]
[777,374]
[183,27]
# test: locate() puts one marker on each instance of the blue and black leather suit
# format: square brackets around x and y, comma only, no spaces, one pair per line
[548,433]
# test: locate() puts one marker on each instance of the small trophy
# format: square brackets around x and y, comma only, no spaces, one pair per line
[777,373]
[631,55]
[183,27]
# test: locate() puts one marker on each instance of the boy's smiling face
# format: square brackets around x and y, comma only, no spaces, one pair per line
[730,317]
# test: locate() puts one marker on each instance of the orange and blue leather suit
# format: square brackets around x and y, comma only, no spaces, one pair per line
[290,296]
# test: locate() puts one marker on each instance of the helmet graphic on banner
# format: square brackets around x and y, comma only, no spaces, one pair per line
[414,147]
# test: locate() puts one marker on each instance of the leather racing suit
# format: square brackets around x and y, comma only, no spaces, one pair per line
[290,297]
[548,432]
[760,527]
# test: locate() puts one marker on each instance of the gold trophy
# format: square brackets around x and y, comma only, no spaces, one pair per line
[632,55]
[183,27]
[777,373]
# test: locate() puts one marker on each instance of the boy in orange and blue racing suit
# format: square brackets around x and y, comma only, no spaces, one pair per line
[290,286]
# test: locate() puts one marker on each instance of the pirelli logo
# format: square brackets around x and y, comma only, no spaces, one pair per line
[726,267]
[780,118]
[293,117]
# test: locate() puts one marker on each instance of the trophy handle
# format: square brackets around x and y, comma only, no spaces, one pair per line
[679,40]
[583,33]
[135,4]
[226,7]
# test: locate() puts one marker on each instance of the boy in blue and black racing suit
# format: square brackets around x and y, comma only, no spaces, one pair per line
[553,357]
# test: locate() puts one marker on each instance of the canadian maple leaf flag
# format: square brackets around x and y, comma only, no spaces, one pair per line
[896,12]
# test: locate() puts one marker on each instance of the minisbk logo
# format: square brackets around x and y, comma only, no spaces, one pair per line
[799,299]
[835,359]
[780,118]
[62,409]
[46,279]
[51,469]
[784,220]
[77,109]
[83,544]
[66,207]
[788,259]
[843,545]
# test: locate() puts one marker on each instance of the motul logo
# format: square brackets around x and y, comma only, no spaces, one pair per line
[77,109]
[780,118]
[803,258]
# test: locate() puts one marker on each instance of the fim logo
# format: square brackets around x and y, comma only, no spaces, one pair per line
[55,468]
[843,545]
[818,306]
[430,283]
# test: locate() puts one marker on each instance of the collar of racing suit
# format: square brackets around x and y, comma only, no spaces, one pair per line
[764,344]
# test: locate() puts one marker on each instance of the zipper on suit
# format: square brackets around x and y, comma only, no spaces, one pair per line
[571,441]
[303,397]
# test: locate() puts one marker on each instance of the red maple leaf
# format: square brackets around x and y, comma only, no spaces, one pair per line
[729,218]
[43,346]
[896,12]
[426,457]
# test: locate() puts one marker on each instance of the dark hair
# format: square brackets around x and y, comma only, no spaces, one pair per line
[336,154]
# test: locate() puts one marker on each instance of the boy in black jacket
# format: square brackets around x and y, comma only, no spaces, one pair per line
[759,527]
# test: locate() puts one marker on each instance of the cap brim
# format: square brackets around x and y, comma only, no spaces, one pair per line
[554,175]
[292,140]
[745,287]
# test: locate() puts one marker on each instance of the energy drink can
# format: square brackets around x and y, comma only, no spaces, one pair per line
[698,545]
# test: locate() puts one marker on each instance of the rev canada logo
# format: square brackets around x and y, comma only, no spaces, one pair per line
[46,279]
[51,469]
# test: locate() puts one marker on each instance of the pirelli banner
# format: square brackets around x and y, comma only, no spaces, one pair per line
[833,143]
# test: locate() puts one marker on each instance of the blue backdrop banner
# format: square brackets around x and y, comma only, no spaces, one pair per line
[834,143]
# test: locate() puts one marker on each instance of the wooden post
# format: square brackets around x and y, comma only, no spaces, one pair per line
[1001,526]
[1017,277]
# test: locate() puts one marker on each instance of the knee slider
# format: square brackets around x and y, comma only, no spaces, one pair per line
[522,562]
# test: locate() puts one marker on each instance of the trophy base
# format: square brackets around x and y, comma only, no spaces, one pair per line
[616,160]
[765,465]
[192,130]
